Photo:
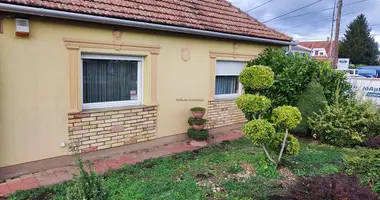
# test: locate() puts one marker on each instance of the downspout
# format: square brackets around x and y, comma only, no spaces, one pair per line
[122,22]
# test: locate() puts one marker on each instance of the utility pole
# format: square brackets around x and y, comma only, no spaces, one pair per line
[337,29]
[332,32]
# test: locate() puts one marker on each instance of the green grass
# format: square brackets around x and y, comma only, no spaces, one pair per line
[232,170]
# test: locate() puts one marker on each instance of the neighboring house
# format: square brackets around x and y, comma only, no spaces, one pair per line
[301,50]
[321,49]
[91,75]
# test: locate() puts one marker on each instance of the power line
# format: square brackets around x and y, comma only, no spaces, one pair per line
[293,11]
[325,9]
[259,6]
[324,19]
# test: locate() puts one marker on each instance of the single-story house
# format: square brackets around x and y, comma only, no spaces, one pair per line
[96,76]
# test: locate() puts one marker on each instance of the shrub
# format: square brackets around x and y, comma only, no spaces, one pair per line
[260,132]
[344,124]
[335,85]
[191,121]
[373,142]
[312,100]
[253,105]
[287,117]
[292,145]
[332,187]
[292,73]
[198,109]
[365,164]
[86,185]
[197,135]
[256,77]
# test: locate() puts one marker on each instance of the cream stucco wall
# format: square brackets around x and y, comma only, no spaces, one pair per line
[34,81]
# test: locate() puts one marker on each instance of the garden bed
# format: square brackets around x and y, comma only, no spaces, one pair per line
[230,170]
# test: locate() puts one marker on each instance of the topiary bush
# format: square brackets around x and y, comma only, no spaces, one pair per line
[344,124]
[260,131]
[197,135]
[256,77]
[292,147]
[311,101]
[287,117]
[253,105]
[332,187]
[198,109]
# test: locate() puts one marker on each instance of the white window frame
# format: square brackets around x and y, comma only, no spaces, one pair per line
[229,96]
[111,104]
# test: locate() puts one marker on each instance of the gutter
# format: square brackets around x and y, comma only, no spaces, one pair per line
[129,23]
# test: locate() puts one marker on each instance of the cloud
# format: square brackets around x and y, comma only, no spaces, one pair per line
[314,26]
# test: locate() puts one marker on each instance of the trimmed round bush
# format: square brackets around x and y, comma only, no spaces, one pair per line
[257,77]
[292,146]
[259,131]
[199,109]
[197,135]
[251,104]
[286,116]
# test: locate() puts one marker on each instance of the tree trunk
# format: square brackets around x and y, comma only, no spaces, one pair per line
[268,156]
[283,146]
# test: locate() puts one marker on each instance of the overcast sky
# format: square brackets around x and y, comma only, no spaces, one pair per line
[305,27]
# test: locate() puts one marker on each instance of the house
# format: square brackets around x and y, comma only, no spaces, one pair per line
[321,49]
[301,50]
[97,77]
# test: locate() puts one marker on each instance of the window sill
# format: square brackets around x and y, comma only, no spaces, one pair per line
[95,110]
[226,98]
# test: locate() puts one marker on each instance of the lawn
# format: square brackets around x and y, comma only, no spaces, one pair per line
[231,170]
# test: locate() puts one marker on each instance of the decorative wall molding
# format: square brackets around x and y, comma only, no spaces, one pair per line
[185,54]
[215,54]
[111,45]
[74,46]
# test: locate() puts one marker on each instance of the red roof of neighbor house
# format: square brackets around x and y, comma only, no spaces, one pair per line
[318,44]
[211,15]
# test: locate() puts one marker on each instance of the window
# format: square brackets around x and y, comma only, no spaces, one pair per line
[110,80]
[321,53]
[227,79]
[316,52]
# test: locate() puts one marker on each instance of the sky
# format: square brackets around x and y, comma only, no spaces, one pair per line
[314,26]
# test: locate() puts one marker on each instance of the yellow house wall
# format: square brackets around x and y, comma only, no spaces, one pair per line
[34,81]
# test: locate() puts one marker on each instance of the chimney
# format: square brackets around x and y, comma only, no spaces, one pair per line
[328,39]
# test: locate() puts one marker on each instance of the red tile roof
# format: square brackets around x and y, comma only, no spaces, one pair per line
[319,44]
[211,15]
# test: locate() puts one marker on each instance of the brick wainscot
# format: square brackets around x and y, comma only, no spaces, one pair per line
[224,113]
[96,130]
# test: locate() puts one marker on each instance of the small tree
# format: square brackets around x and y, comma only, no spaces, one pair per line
[261,131]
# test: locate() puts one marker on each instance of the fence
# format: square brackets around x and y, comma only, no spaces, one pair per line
[366,88]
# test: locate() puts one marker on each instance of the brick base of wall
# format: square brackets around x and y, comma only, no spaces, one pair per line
[91,131]
[223,113]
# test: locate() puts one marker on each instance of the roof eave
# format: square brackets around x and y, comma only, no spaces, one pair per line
[130,23]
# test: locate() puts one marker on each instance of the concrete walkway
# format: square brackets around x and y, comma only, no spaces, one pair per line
[61,174]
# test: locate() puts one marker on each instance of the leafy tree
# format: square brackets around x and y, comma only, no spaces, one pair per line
[358,44]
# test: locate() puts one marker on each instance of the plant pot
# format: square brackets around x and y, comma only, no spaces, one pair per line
[198,127]
[198,143]
[198,114]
